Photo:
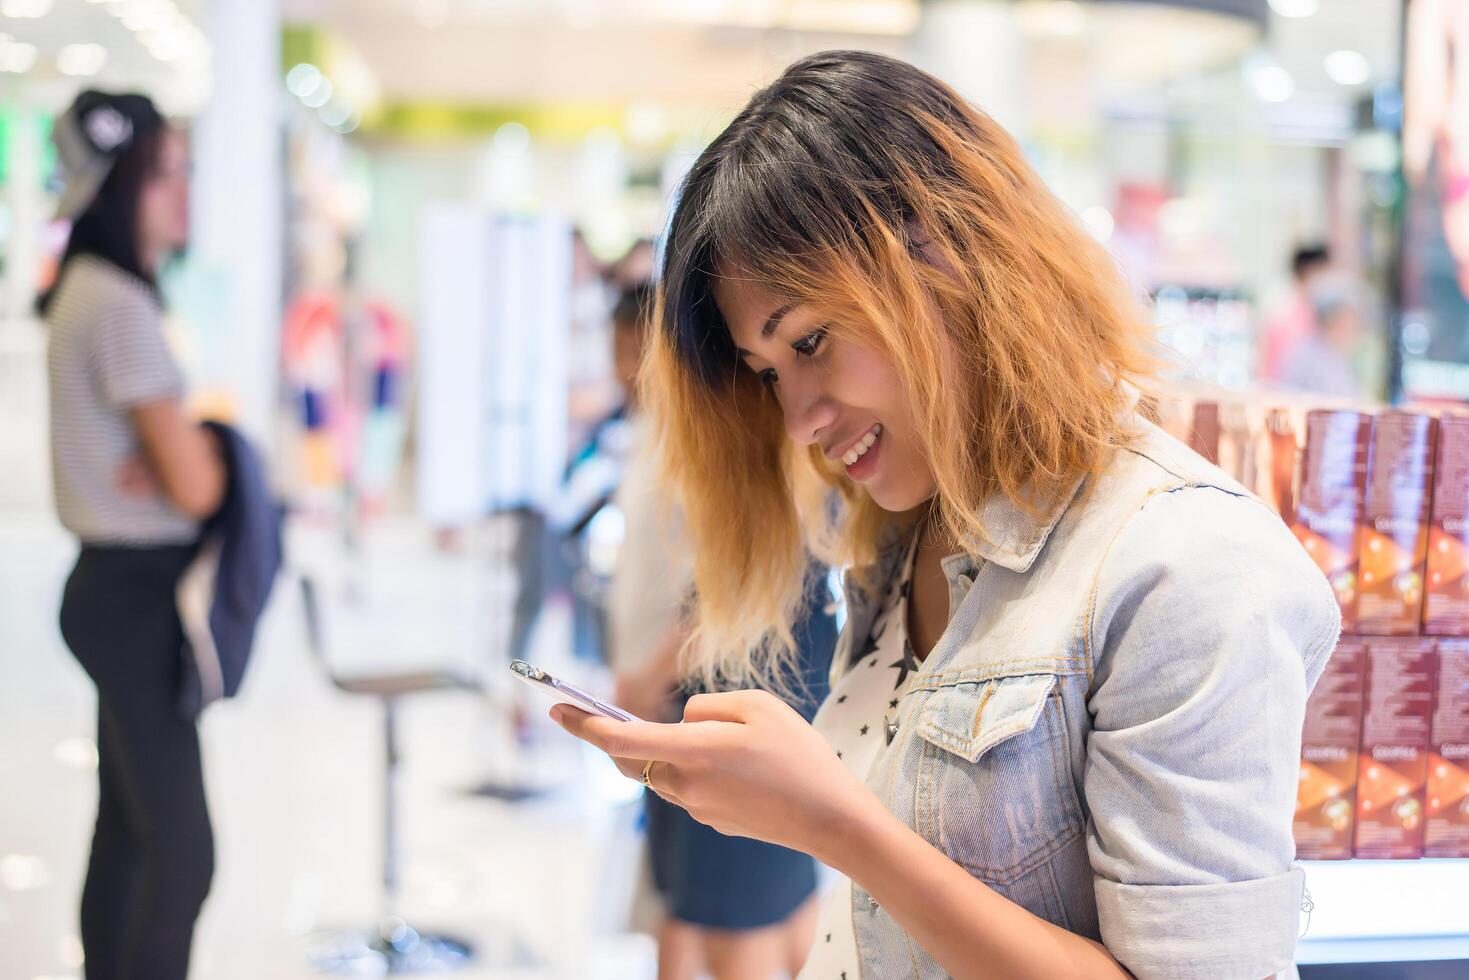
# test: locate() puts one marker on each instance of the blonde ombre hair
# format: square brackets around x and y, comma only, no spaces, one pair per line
[869,190]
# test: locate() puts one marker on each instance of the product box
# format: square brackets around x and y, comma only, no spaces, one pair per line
[1446,601]
[1393,765]
[1277,460]
[1204,432]
[1447,833]
[1394,544]
[1328,513]
[1326,799]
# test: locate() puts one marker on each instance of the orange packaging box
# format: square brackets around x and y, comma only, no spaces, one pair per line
[1326,798]
[1393,765]
[1447,833]
[1394,544]
[1446,602]
[1328,514]
[1277,455]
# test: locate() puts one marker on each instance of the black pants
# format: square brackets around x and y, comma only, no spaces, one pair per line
[153,849]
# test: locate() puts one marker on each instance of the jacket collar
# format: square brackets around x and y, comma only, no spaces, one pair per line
[1014,536]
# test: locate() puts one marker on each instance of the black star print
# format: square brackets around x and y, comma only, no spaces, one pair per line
[870,646]
[863,731]
[908,663]
[839,753]
[842,699]
[828,937]
[893,703]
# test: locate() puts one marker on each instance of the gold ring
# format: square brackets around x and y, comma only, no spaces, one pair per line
[647,775]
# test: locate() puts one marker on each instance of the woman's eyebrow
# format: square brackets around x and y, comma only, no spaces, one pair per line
[771,323]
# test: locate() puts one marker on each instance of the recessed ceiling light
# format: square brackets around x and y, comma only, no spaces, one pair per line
[81,60]
[1348,67]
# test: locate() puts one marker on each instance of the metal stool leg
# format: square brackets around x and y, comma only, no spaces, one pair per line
[394,946]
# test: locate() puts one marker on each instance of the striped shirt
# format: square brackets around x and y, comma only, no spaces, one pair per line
[106,355]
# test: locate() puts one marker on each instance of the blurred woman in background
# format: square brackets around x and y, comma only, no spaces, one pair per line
[134,477]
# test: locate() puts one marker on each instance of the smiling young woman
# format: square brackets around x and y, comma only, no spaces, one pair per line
[1065,714]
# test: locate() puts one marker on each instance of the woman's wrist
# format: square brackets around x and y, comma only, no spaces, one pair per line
[851,838]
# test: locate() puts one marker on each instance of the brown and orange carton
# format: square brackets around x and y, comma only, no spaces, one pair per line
[1328,512]
[1277,460]
[1326,798]
[1392,767]
[1447,831]
[1446,599]
[1394,543]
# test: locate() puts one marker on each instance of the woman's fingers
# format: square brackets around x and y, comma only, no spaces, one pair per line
[731,706]
[630,739]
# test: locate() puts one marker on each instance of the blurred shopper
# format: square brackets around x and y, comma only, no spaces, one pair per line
[737,908]
[1063,732]
[1294,321]
[1322,361]
[134,478]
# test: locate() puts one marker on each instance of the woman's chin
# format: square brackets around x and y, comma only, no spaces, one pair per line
[896,499]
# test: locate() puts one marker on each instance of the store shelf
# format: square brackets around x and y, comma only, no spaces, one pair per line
[1386,911]
[1401,950]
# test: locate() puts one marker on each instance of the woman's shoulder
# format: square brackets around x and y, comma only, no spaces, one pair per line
[101,288]
[1201,555]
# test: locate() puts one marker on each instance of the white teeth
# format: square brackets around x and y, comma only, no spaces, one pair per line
[863,445]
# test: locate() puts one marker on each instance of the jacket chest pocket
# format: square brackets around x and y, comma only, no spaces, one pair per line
[994,788]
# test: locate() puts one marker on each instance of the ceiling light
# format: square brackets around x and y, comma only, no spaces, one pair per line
[303,79]
[81,60]
[1269,80]
[17,57]
[336,114]
[1295,8]
[320,94]
[25,9]
[1348,67]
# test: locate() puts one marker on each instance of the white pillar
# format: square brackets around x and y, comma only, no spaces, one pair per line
[26,201]
[239,200]
[977,47]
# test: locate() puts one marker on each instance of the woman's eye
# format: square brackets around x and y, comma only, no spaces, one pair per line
[808,345]
[768,378]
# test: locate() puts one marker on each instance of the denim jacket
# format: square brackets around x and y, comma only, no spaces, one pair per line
[1108,731]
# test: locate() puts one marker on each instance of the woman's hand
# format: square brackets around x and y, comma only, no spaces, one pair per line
[134,478]
[744,763]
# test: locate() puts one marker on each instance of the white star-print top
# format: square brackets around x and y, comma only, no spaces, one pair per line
[855,719]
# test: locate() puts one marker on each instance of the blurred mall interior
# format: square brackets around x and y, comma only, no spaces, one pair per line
[409,222]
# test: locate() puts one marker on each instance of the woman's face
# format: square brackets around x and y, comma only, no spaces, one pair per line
[163,206]
[844,398]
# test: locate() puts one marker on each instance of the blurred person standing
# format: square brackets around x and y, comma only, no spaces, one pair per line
[1295,320]
[734,907]
[1322,361]
[134,479]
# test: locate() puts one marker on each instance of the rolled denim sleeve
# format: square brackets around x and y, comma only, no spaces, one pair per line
[1211,625]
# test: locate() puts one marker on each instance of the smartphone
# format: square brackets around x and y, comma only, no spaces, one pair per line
[564,693]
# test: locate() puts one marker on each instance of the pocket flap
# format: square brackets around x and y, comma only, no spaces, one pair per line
[970,719]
